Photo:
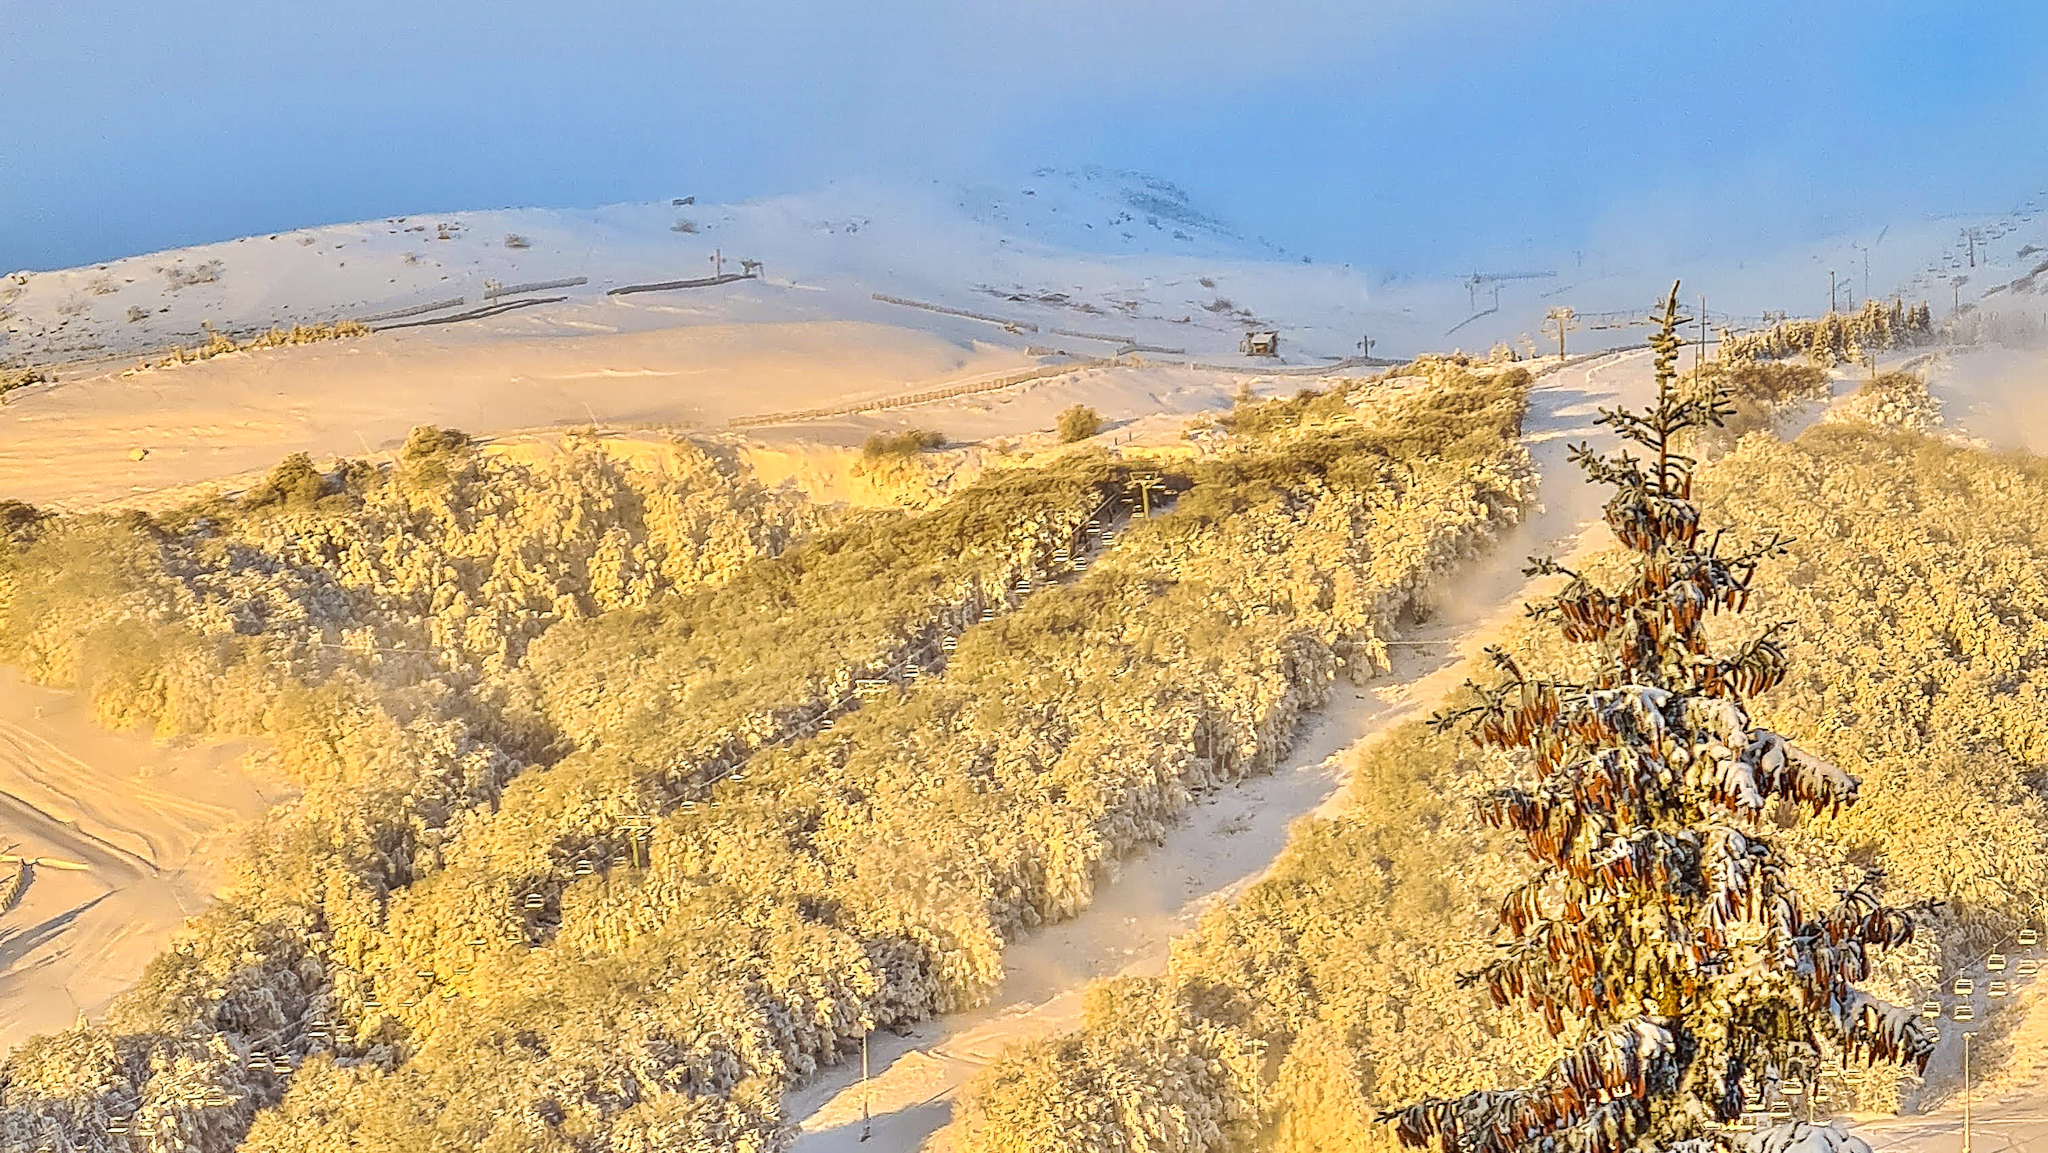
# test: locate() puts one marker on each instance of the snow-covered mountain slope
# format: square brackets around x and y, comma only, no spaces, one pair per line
[1084,262]
[839,246]
[1104,210]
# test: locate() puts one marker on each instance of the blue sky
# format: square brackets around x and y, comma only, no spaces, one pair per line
[1407,134]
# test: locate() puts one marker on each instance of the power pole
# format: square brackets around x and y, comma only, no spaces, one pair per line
[1833,298]
[866,1125]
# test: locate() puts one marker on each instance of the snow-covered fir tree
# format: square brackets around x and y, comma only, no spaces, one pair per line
[1659,927]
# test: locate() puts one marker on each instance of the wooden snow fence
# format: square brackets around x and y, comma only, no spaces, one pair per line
[928,396]
[493,296]
[667,285]
[13,885]
[1110,337]
[415,310]
[46,862]
[494,292]
[985,318]
[473,314]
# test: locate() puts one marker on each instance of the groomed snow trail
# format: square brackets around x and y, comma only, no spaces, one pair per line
[1227,840]
[133,837]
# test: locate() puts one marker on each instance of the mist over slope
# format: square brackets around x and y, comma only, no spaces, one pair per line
[1111,257]
[1102,210]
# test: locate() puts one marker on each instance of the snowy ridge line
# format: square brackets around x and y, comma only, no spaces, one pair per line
[475,313]
[665,285]
[415,310]
[1012,325]
[989,384]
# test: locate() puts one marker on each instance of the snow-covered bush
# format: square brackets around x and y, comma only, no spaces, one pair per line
[870,875]
[1895,400]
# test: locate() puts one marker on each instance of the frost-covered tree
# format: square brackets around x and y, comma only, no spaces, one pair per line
[1659,926]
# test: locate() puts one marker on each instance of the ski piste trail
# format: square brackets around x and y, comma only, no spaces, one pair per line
[1228,840]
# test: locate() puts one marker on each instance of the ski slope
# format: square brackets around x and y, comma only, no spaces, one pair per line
[1121,257]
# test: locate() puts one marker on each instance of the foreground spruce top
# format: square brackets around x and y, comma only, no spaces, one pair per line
[1660,926]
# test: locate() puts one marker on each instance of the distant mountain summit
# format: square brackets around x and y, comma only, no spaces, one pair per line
[1110,210]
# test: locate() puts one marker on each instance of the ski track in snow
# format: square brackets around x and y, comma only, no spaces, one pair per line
[130,852]
[1226,841]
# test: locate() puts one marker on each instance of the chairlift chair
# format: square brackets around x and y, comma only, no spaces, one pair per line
[2029,938]
[1964,987]
[2027,968]
[1792,1087]
[1930,1009]
[1997,989]
[1995,962]
[1966,1012]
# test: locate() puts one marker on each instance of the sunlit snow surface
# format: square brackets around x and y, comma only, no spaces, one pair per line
[1107,253]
